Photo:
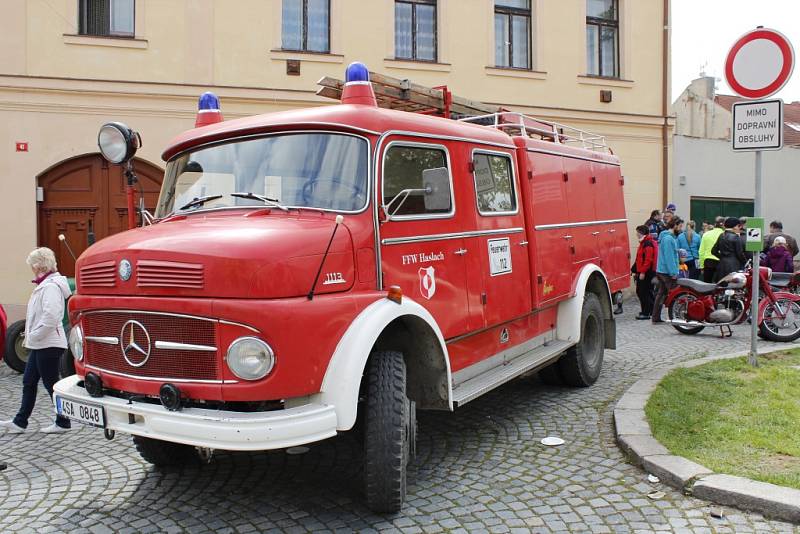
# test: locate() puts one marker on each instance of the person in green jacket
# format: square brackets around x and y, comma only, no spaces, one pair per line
[709,262]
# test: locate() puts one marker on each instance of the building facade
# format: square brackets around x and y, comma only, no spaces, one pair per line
[711,179]
[599,65]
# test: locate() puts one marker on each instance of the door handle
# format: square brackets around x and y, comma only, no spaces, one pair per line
[523,243]
[567,237]
[460,252]
[611,231]
[595,233]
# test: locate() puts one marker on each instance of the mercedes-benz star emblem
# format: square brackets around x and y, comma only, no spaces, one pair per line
[135,343]
[125,270]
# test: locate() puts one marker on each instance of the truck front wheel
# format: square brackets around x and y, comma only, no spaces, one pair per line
[582,363]
[164,453]
[389,432]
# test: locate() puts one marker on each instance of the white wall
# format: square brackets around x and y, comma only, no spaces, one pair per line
[713,170]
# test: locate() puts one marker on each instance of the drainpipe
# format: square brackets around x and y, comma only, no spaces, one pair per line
[665,107]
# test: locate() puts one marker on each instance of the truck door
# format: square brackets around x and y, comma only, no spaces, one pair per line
[610,207]
[581,191]
[422,241]
[500,240]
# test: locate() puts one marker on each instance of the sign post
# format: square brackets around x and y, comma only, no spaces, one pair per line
[758,65]
[754,229]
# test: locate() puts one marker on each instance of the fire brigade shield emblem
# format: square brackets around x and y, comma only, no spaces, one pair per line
[427,282]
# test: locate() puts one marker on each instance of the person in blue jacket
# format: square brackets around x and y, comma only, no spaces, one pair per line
[668,265]
[689,240]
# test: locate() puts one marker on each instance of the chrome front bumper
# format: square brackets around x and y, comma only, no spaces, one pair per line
[215,429]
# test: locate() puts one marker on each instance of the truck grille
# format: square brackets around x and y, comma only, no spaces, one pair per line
[101,274]
[153,273]
[162,363]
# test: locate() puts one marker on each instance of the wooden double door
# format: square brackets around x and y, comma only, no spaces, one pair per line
[84,199]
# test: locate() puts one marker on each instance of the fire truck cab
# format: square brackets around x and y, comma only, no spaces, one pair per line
[311,270]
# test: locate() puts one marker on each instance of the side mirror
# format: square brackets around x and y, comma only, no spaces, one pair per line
[118,143]
[436,183]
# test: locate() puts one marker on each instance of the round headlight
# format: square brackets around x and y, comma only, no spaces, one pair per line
[250,358]
[76,342]
[117,142]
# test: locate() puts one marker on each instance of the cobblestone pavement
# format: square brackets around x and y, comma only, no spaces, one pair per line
[479,469]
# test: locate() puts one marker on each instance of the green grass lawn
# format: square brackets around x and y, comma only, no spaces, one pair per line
[733,418]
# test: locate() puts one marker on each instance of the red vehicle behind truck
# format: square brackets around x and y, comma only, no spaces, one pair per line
[316,269]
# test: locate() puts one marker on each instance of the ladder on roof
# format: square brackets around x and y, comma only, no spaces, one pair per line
[403,95]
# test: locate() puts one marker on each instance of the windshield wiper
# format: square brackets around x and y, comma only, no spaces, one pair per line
[266,200]
[198,201]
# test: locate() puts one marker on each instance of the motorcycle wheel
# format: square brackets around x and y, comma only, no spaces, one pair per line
[677,310]
[777,329]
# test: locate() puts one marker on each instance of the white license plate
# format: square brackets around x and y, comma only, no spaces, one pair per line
[90,414]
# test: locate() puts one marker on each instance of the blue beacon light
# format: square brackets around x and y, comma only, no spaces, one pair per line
[356,72]
[207,110]
[208,101]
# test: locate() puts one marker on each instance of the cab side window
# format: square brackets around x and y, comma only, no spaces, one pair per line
[494,184]
[403,168]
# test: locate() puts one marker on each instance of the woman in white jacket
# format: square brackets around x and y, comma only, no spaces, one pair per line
[44,336]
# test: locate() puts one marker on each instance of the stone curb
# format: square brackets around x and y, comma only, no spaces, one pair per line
[635,438]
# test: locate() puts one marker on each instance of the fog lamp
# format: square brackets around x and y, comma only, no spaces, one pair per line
[93,385]
[170,397]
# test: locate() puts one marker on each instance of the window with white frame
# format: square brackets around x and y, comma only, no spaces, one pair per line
[415,30]
[512,33]
[106,18]
[305,25]
[602,38]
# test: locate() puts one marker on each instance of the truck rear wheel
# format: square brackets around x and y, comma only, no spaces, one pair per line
[164,453]
[581,364]
[388,432]
[16,355]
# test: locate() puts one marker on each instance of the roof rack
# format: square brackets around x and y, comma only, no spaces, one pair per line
[515,123]
[403,95]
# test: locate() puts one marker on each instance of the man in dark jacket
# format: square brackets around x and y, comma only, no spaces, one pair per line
[645,270]
[729,249]
[775,230]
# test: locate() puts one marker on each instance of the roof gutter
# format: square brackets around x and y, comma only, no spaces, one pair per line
[665,107]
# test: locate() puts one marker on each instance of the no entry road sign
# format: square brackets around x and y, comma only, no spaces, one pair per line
[758,125]
[759,64]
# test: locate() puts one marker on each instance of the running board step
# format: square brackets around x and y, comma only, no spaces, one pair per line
[477,386]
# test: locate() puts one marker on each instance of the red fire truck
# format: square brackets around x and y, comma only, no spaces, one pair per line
[313,270]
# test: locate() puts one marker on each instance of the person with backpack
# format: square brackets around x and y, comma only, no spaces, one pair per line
[644,270]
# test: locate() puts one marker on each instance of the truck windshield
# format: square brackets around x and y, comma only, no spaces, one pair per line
[318,170]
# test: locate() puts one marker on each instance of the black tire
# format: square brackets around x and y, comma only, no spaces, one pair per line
[16,355]
[164,453]
[581,364]
[388,432]
[66,364]
[674,311]
[769,330]
[550,375]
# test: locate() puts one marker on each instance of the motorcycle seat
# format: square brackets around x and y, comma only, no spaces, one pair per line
[781,279]
[696,285]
